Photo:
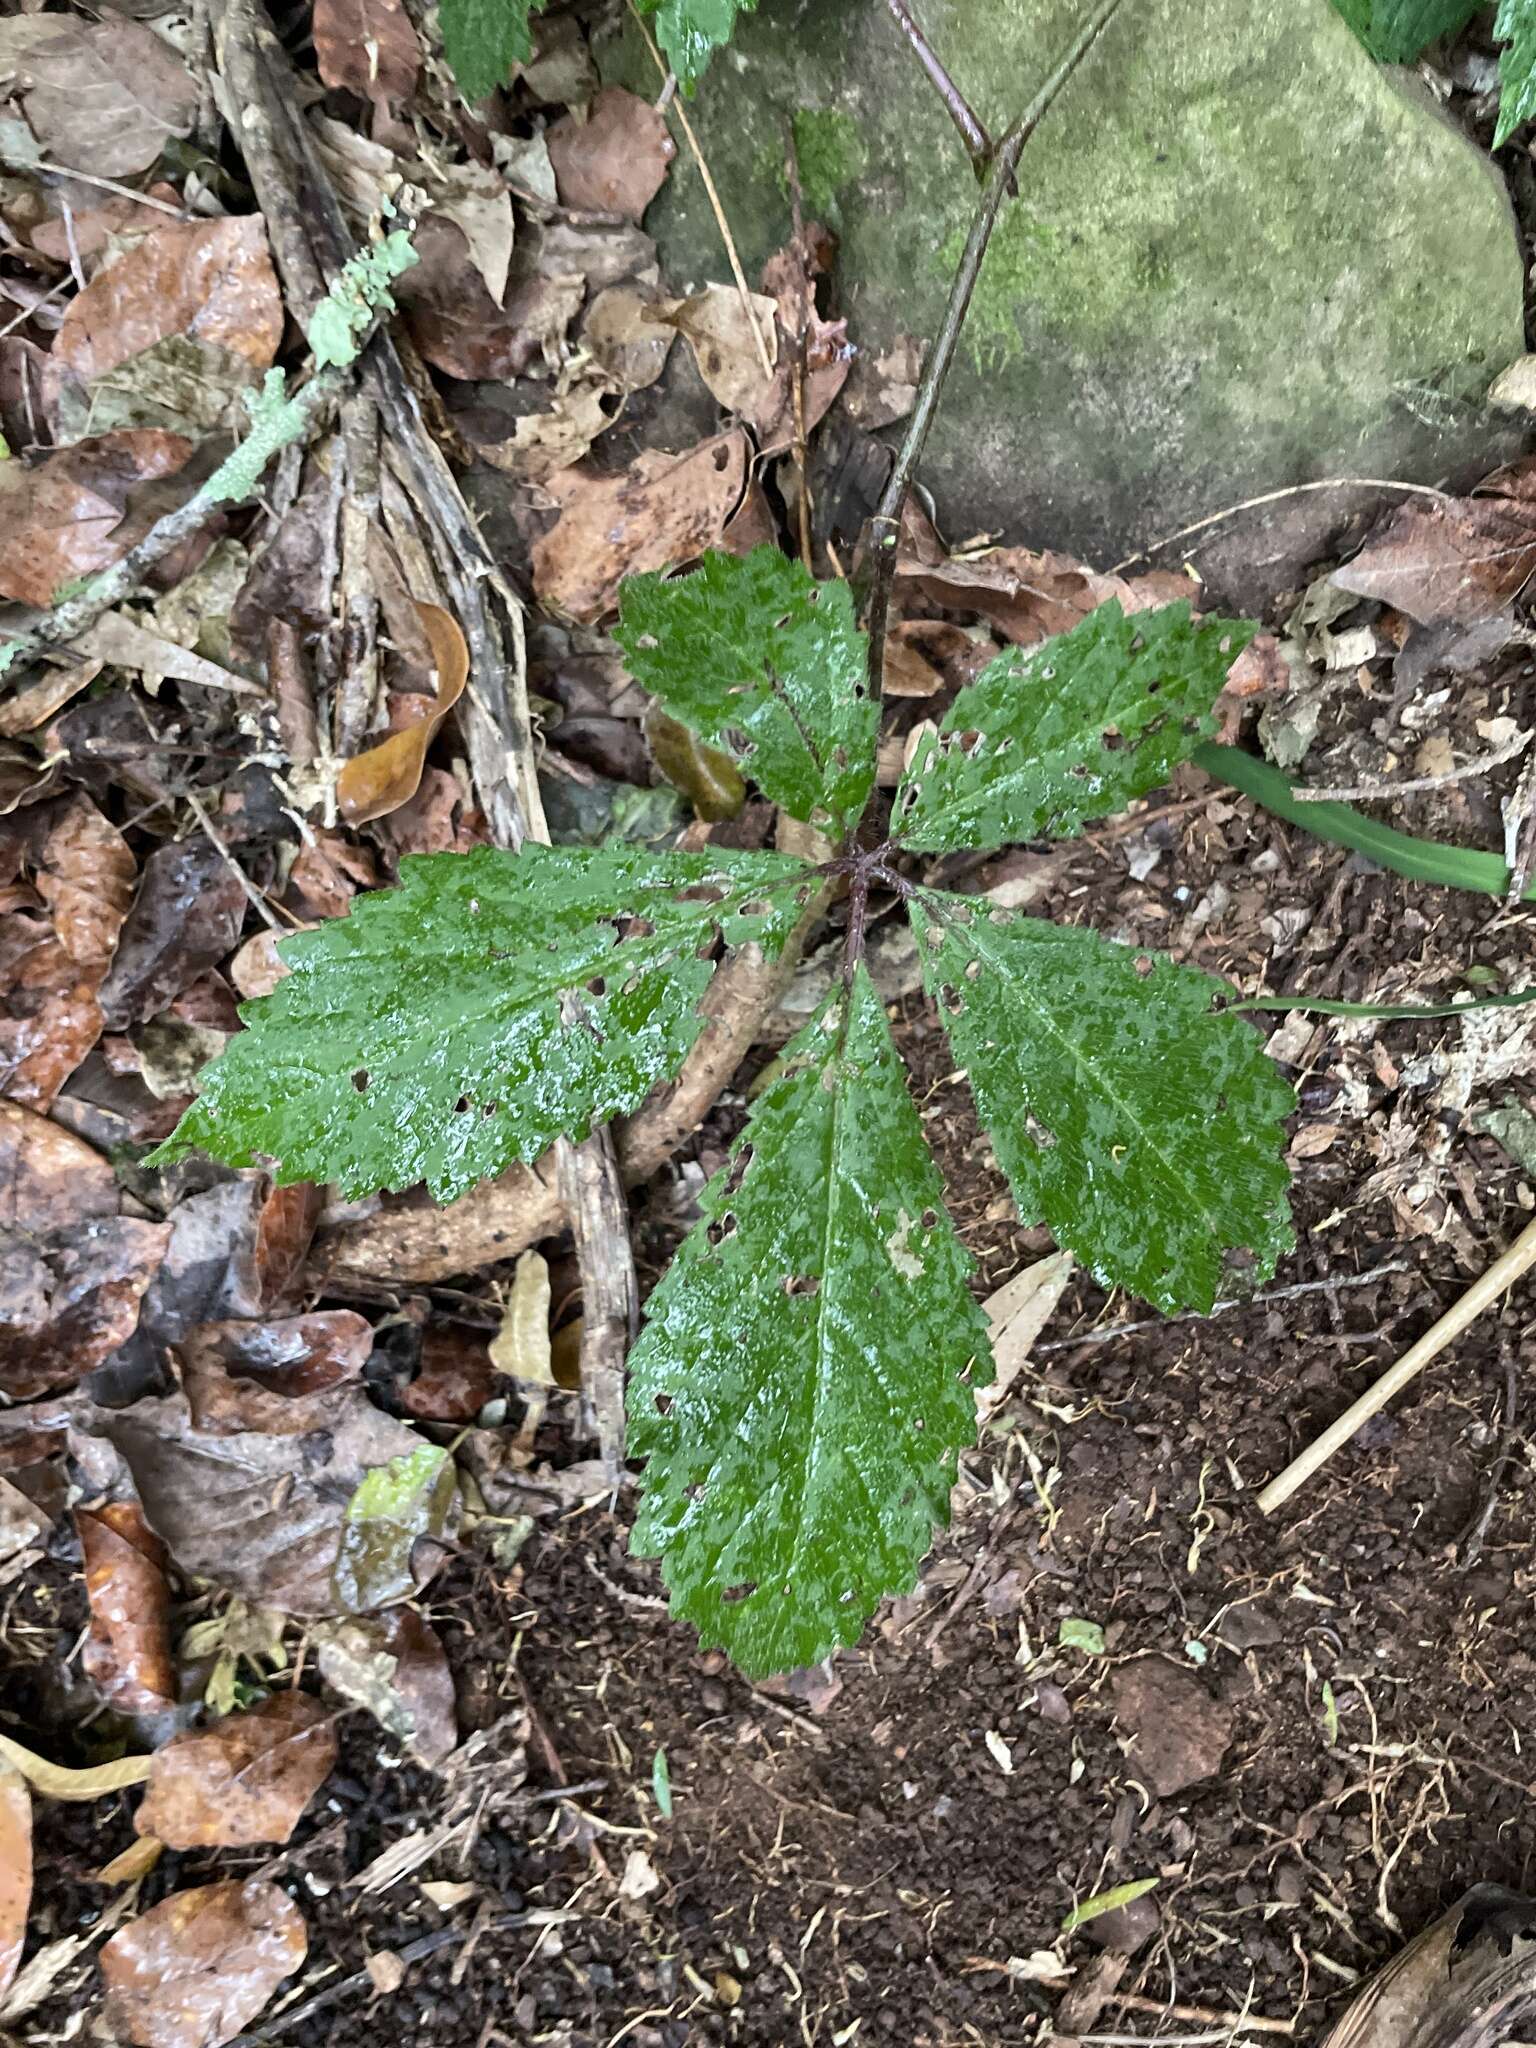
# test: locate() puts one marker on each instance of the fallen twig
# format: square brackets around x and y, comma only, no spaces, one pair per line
[1219,1308]
[885,524]
[975,137]
[1503,1273]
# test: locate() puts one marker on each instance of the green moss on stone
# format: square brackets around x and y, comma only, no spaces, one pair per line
[830,152]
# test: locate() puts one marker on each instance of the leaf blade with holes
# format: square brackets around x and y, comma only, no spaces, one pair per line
[483,39]
[750,645]
[690,32]
[1143,1127]
[374,1061]
[820,1418]
[1040,764]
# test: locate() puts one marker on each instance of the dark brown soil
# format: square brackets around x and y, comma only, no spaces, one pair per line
[847,1858]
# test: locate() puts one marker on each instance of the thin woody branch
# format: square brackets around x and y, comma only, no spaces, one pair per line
[975,137]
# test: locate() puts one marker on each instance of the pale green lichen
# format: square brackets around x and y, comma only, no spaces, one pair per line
[276,419]
[341,321]
[9,653]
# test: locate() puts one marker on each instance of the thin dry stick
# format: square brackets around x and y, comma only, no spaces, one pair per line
[976,139]
[111,185]
[885,525]
[713,193]
[1327,483]
[1503,1273]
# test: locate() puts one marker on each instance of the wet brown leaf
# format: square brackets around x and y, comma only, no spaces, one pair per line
[660,512]
[69,1297]
[395,1668]
[127,1653]
[286,1218]
[330,870]
[368,47]
[279,1377]
[253,1512]
[614,161]
[37,701]
[185,918]
[25,1526]
[15,1871]
[67,516]
[104,97]
[49,1179]
[257,968]
[243,1781]
[1459,559]
[455,1377]
[197,1968]
[386,776]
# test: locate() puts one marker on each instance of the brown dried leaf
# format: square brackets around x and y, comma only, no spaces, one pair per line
[257,968]
[543,442]
[286,1219]
[460,329]
[1461,559]
[715,324]
[479,205]
[278,1377]
[614,161]
[619,330]
[67,516]
[48,1179]
[15,1871]
[185,918]
[395,1668]
[243,1781]
[90,228]
[660,512]
[252,1512]
[127,1653]
[454,1379]
[210,279]
[85,875]
[103,97]
[388,775]
[197,1968]
[36,702]
[368,47]
[70,1297]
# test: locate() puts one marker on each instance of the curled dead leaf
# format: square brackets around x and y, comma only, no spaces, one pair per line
[1461,559]
[388,775]
[127,1653]
[242,1781]
[709,779]
[197,1968]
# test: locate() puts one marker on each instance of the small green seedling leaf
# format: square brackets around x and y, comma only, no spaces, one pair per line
[483,39]
[1076,1634]
[1515,27]
[422,1036]
[1108,1902]
[809,1365]
[661,1784]
[750,652]
[1141,1124]
[1042,742]
[690,32]
[393,1507]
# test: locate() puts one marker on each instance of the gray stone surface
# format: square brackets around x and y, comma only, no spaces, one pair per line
[1244,256]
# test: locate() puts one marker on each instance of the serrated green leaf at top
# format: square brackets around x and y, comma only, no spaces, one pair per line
[751,652]
[1515,27]
[483,39]
[809,1364]
[690,32]
[422,1037]
[1142,1125]
[1398,31]
[1043,741]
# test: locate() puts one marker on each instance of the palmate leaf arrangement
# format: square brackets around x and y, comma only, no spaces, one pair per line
[809,1366]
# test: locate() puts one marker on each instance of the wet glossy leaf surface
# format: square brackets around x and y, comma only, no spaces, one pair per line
[197,1968]
[1141,1126]
[1042,742]
[420,1038]
[127,1651]
[690,32]
[186,916]
[279,1376]
[750,646]
[394,1507]
[810,1362]
[244,1780]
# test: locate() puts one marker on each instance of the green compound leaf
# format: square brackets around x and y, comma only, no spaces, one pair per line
[1141,1125]
[749,651]
[1398,31]
[809,1364]
[1042,742]
[690,32]
[1515,27]
[420,1037]
[483,39]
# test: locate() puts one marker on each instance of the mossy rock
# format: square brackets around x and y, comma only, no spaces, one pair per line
[1243,256]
